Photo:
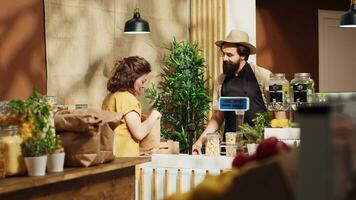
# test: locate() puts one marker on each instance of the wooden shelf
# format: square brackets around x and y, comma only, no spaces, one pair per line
[11,184]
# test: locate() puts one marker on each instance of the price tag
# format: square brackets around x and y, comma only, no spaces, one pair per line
[234,104]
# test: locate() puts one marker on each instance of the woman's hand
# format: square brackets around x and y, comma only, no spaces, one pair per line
[196,148]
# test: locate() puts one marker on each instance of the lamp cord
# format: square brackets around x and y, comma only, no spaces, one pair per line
[136,5]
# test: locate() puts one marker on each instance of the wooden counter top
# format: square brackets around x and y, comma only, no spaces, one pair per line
[11,184]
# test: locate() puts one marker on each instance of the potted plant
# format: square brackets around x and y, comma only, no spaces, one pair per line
[55,161]
[34,151]
[34,115]
[255,135]
[181,96]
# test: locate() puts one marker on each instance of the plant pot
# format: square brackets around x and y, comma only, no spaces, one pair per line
[36,166]
[55,162]
[251,148]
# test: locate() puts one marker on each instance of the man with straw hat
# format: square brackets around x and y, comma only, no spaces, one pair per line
[239,79]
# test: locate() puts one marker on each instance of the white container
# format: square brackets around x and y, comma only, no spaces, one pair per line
[290,136]
[36,166]
[167,174]
[55,162]
[251,148]
[283,133]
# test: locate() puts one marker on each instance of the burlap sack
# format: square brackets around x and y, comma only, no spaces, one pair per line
[150,143]
[87,135]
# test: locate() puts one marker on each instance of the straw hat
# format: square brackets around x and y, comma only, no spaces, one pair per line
[237,37]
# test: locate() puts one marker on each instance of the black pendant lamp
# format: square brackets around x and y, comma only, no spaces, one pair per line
[137,25]
[348,20]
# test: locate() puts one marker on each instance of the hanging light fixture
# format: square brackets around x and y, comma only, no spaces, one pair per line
[137,25]
[348,20]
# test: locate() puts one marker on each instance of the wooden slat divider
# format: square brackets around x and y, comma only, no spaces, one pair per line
[141,185]
[192,180]
[179,181]
[154,185]
[165,184]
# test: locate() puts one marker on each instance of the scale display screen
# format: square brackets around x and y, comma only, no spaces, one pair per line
[234,103]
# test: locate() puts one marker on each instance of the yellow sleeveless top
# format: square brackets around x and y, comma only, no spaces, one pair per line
[125,145]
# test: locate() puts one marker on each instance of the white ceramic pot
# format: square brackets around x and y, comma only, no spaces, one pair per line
[55,162]
[251,148]
[36,166]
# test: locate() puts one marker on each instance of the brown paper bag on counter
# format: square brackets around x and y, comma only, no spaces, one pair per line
[87,135]
[150,143]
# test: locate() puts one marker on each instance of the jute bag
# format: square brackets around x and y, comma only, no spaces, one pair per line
[87,135]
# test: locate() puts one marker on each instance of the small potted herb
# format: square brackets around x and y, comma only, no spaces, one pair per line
[55,161]
[34,151]
[255,135]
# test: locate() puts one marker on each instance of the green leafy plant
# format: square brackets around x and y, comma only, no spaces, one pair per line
[53,144]
[33,147]
[34,115]
[181,96]
[255,134]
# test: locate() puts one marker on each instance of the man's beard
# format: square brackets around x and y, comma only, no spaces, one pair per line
[230,69]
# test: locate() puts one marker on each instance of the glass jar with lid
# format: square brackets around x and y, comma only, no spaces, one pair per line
[10,147]
[277,92]
[302,88]
[212,147]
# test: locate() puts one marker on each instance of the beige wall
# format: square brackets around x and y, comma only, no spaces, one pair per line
[83,39]
[22,48]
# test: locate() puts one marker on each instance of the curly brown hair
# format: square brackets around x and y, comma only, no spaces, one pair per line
[126,71]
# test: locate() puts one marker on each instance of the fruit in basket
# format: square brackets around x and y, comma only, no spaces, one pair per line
[280,123]
[270,147]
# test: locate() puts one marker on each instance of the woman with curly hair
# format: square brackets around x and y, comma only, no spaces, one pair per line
[125,84]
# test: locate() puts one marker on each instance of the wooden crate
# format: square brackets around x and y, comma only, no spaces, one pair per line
[168,147]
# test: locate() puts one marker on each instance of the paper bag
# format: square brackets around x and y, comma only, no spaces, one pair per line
[150,143]
[87,135]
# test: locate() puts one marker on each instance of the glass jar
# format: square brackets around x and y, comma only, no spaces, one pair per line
[212,147]
[6,116]
[231,150]
[277,92]
[239,140]
[230,137]
[302,88]
[10,146]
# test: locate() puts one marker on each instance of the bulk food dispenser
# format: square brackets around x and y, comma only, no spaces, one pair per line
[283,99]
